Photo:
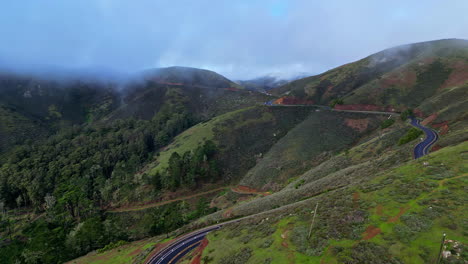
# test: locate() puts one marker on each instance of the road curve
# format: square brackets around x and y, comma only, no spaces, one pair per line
[180,247]
[423,147]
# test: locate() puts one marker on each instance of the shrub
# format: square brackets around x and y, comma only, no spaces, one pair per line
[112,245]
[406,114]
[299,184]
[336,101]
[387,123]
[411,135]
[242,256]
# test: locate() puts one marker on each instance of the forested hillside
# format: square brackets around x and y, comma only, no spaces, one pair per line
[92,166]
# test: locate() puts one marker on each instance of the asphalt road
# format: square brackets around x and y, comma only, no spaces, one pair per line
[181,246]
[178,248]
[424,146]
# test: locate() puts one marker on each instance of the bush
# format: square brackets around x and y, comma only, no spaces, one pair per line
[299,184]
[336,101]
[112,245]
[406,114]
[411,135]
[239,257]
[387,123]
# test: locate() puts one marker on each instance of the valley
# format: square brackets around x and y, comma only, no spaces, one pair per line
[365,163]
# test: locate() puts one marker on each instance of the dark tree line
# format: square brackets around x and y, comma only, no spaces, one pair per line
[189,169]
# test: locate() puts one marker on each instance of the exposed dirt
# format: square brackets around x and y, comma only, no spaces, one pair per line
[159,203]
[364,107]
[379,210]
[400,79]
[247,190]
[355,200]
[397,217]
[227,213]
[371,231]
[436,148]
[357,124]
[443,127]
[459,75]
[428,120]
[418,113]
[199,252]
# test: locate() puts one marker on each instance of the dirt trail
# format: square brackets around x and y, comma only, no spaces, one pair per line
[241,189]
[150,205]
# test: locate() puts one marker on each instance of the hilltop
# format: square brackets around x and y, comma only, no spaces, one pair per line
[400,77]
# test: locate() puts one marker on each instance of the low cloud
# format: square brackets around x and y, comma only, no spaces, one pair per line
[240,39]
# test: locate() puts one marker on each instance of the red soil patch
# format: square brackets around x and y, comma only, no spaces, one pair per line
[364,107]
[397,217]
[293,101]
[371,231]
[227,213]
[135,252]
[327,92]
[242,189]
[403,78]
[444,130]
[379,210]
[355,200]
[443,127]
[418,113]
[357,124]
[429,119]
[170,197]
[435,148]
[199,252]
[458,76]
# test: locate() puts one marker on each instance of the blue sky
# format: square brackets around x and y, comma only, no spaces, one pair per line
[240,39]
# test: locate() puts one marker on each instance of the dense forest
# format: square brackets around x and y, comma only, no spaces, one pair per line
[73,176]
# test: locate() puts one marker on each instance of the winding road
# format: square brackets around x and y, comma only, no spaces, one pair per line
[182,245]
[177,249]
[423,147]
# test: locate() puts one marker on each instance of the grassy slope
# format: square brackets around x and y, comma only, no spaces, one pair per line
[228,129]
[402,76]
[121,255]
[338,234]
[320,136]
[354,183]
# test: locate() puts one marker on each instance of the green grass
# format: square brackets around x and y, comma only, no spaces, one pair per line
[413,187]
[304,146]
[446,173]
[123,254]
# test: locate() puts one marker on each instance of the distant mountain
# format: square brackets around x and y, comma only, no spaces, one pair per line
[268,82]
[46,103]
[188,76]
[401,77]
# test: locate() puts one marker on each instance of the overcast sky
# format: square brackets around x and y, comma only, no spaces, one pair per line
[237,38]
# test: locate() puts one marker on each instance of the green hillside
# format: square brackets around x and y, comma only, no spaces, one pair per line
[322,135]
[397,216]
[178,149]
[401,77]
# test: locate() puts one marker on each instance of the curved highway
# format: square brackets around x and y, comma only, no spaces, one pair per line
[423,147]
[177,249]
